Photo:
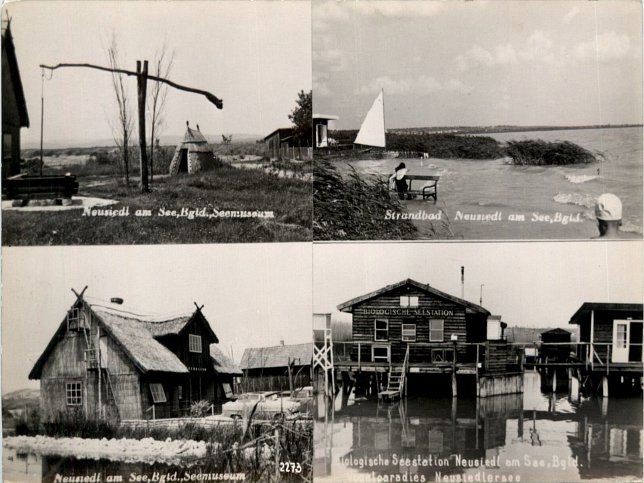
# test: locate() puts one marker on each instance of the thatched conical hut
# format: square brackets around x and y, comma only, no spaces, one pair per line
[193,154]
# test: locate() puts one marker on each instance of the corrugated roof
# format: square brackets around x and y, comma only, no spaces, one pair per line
[222,363]
[137,339]
[277,356]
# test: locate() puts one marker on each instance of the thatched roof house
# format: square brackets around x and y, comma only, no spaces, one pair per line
[267,368]
[193,154]
[112,363]
[14,106]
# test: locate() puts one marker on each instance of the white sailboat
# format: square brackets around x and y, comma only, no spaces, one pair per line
[372,130]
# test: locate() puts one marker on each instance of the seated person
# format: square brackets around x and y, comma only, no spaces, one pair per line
[399,181]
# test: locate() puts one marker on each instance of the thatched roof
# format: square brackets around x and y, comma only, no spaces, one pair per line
[277,356]
[138,342]
[194,136]
[469,306]
[138,336]
[222,363]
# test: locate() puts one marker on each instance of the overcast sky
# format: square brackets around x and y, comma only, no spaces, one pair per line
[256,56]
[528,284]
[479,63]
[254,295]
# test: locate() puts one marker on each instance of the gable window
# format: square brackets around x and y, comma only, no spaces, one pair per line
[194,343]
[380,353]
[381,329]
[74,393]
[158,394]
[409,332]
[408,301]
[436,330]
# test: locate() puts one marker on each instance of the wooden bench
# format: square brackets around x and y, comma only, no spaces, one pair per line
[24,187]
[426,190]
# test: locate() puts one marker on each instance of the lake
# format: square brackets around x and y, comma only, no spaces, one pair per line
[537,194]
[536,436]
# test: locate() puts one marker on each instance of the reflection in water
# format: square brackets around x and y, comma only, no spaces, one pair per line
[536,436]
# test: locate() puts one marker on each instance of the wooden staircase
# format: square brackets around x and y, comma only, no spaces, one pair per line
[396,381]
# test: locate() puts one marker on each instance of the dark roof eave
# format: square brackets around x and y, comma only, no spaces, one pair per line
[473,308]
[587,307]
[9,48]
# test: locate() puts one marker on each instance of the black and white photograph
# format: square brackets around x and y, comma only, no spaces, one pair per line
[476,120]
[478,362]
[156,122]
[192,366]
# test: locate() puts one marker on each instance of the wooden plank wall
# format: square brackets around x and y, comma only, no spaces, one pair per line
[364,325]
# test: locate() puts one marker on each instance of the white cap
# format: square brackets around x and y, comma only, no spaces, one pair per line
[608,207]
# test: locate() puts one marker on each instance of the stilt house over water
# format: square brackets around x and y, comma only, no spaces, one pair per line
[609,352]
[410,337]
[193,154]
[112,364]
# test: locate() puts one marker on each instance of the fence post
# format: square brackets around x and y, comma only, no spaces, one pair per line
[277,454]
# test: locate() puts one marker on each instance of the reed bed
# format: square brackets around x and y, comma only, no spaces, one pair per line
[354,208]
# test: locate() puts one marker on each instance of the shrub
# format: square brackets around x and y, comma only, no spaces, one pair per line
[199,409]
[542,153]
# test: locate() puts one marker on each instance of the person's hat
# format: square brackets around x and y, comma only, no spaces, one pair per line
[400,173]
[608,207]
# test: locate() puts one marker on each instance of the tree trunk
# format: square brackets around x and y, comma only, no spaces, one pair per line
[142,79]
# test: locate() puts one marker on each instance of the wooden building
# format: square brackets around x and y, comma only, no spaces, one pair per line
[228,381]
[411,331]
[113,364]
[14,106]
[555,345]
[276,368]
[275,141]
[193,154]
[609,352]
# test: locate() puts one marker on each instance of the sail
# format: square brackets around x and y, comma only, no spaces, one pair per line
[372,131]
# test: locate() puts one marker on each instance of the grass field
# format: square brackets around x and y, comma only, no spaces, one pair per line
[224,188]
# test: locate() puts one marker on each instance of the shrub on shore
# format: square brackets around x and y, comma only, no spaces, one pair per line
[354,208]
[542,153]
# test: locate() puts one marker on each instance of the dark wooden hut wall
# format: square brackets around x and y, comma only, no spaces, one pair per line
[457,323]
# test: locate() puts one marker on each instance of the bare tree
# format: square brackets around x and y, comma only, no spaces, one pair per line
[122,132]
[162,68]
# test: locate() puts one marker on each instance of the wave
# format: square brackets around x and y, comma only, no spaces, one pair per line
[581,178]
[586,200]
[631,227]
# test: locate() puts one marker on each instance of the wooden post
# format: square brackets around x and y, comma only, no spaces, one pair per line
[98,364]
[277,454]
[554,380]
[605,386]
[454,389]
[142,81]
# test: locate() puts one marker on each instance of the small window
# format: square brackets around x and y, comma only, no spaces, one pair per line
[380,353]
[436,330]
[194,343]
[409,332]
[179,393]
[74,393]
[382,329]
[408,301]
[158,394]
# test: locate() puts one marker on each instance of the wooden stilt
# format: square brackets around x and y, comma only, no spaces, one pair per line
[605,386]
[454,386]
